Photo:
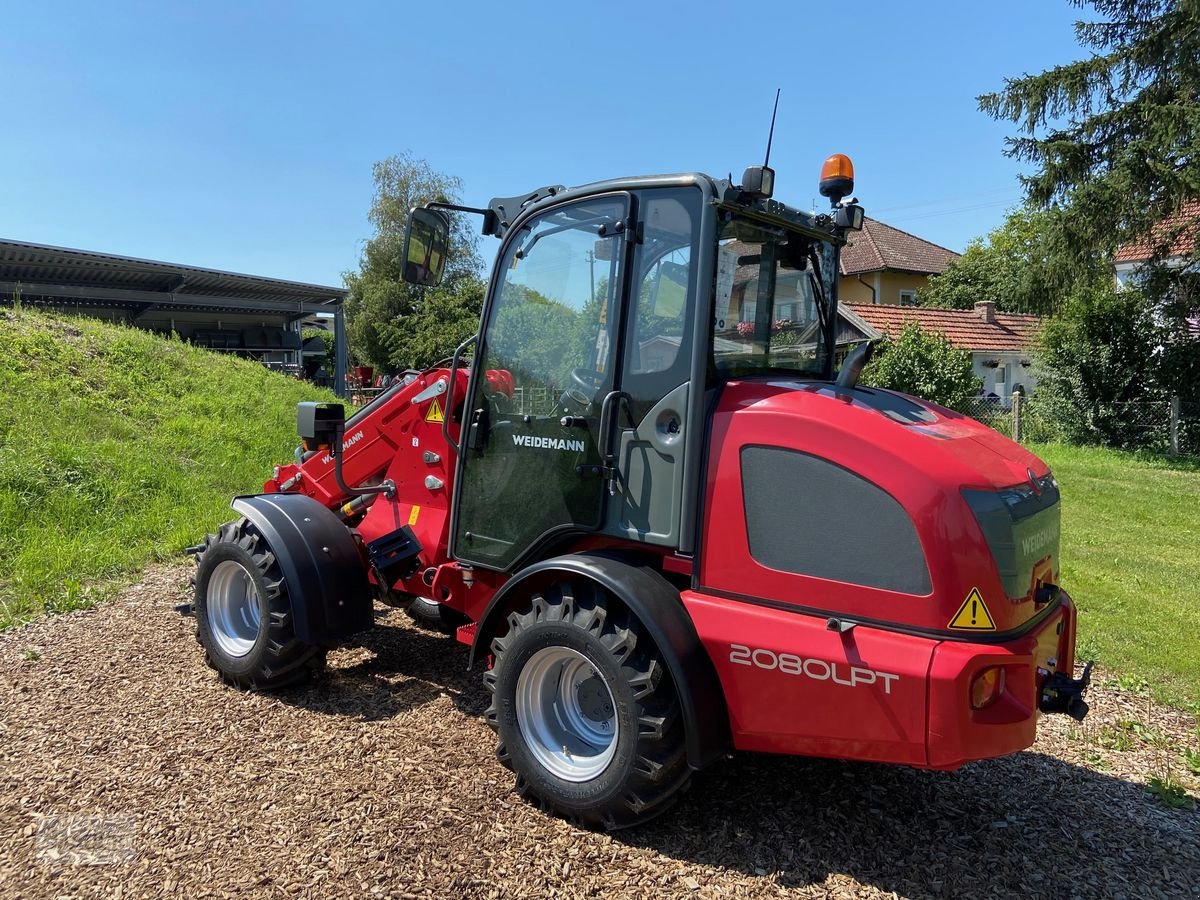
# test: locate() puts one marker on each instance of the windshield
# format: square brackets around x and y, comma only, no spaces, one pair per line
[774,296]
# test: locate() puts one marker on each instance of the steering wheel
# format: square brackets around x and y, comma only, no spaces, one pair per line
[584,388]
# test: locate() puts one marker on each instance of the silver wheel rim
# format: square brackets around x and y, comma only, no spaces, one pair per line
[566,714]
[234,612]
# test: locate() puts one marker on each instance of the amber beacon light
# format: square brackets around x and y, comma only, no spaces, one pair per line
[837,177]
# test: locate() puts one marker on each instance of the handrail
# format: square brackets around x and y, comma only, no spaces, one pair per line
[450,400]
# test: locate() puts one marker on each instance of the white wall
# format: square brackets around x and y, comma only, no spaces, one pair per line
[1009,368]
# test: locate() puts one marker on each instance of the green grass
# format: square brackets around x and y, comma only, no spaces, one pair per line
[118,448]
[1131,561]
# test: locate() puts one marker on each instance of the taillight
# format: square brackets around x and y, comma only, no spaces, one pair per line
[987,687]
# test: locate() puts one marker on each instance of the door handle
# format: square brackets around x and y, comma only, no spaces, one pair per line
[609,410]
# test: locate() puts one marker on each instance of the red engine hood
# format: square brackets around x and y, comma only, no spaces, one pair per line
[896,423]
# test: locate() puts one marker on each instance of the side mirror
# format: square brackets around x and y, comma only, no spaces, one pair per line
[426,241]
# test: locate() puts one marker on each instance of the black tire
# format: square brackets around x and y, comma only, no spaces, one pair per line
[648,768]
[435,616]
[272,657]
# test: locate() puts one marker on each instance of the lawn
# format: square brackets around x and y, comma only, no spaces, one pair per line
[1131,560]
[118,448]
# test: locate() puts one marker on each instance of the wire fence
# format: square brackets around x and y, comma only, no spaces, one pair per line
[534,401]
[1166,426]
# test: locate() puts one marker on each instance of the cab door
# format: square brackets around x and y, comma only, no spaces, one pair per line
[531,464]
[651,433]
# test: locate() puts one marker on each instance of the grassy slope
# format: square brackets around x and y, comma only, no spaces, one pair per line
[1131,560]
[117,448]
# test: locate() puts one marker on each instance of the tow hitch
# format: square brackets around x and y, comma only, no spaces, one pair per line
[1063,694]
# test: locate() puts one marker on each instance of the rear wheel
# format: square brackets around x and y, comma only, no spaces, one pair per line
[586,712]
[244,616]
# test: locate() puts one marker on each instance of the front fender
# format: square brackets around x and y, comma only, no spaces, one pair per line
[322,565]
[657,606]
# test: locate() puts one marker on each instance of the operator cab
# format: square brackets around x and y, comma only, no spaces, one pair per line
[614,307]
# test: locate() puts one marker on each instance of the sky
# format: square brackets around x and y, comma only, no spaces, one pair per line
[241,135]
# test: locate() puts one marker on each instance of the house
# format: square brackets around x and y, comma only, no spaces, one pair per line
[884,265]
[999,343]
[1132,256]
[1181,232]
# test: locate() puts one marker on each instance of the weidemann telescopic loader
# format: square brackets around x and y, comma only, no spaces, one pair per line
[659,518]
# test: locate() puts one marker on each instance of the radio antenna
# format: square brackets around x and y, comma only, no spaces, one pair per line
[771,134]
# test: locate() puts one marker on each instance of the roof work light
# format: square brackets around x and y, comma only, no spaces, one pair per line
[759,182]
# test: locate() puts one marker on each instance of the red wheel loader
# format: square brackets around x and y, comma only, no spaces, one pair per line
[663,514]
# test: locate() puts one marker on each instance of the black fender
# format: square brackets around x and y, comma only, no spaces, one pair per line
[656,603]
[321,562]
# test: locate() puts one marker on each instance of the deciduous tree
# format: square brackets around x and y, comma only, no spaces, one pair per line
[1016,266]
[395,325]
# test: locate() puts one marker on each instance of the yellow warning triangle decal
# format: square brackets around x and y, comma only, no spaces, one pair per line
[434,413]
[973,615]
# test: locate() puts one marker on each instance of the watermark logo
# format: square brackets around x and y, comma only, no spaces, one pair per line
[85,840]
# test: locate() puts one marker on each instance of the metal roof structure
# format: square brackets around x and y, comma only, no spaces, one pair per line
[250,315]
[85,274]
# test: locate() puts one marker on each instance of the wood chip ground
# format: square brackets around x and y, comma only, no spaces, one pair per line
[128,770]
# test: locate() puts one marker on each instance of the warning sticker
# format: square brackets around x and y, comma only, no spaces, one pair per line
[434,413]
[412,516]
[973,615]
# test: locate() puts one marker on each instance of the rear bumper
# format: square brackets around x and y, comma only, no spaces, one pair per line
[957,733]
[792,685]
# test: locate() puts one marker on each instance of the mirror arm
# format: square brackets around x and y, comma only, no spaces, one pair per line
[489,216]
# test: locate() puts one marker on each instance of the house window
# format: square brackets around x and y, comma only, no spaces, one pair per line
[908,298]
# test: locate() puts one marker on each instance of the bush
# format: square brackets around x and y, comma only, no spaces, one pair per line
[924,364]
[1098,356]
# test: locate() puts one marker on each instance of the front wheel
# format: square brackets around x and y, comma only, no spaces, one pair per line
[586,712]
[435,616]
[244,616]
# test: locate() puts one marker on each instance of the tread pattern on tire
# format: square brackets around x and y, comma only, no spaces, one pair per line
[435,616]
[285,660]
[660,773]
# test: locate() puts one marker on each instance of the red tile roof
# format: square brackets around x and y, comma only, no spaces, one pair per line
[964,328]
[881,247]
[1182,244]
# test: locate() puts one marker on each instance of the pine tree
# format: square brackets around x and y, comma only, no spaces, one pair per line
[1114,138]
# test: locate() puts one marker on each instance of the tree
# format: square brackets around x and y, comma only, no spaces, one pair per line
[1015,266]
[392,324]
[924,364]
[1114,138]
[1098,355]
[444,318]
[329,360]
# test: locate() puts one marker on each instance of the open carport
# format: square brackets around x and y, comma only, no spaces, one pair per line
[248,315]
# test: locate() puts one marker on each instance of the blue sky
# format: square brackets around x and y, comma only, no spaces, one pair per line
[241,135]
